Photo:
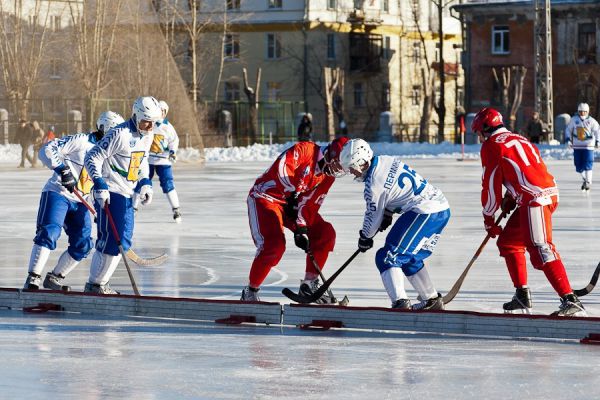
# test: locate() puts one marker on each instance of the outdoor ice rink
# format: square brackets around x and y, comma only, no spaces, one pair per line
[52,356]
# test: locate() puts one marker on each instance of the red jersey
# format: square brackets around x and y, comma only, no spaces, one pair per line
[295,171]
[511,160]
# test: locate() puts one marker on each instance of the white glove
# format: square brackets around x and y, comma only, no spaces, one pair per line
[146,193]
[569,145]
[102,197]
[172,157]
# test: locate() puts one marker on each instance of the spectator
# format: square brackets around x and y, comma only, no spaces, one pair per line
[37,140]
[536,130]
[24,134]
[50,135]
[305,128]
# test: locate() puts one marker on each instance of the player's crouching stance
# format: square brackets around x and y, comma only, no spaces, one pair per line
[116,164]
[163,153]
[393,187]
[289,194]
[511,160]
[59,207]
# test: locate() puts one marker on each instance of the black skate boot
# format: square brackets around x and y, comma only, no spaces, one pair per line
[521,302]
[402,304]
[432,304]
[585,186]
[307,288]
[570,306]
[33,281]
[177,215]
[250,294]
[55,282]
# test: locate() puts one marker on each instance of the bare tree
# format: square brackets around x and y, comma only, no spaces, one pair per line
[252,96]
[333,78]
[22,48]
[94,29]
[510,81]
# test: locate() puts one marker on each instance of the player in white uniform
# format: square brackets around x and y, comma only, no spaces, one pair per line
[162,154]
[116,164]
[393,187]
[583,134]
[59,207]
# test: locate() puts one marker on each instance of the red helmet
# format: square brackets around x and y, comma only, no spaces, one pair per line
[332,157]
[485,119]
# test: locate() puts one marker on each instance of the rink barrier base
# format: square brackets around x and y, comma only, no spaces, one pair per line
[313,317]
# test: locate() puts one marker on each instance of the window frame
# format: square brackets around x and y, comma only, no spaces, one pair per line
[274,4]
[503,33]
[273,46]
[358,93]
[231,91]
[231,45]
[331,47]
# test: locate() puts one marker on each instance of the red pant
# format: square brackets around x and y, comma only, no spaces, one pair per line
[267,220]
[531,228]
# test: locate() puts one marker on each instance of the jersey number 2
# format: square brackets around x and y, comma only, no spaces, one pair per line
[411,176]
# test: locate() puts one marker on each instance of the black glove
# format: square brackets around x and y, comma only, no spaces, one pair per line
[291,207]
[301,238]
[387,220]
[67,179]
[508,203]
[364,243]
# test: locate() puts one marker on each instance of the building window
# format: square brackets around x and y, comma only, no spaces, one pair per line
[231,47]
[415,96]
[275,3]
[273,91]
[232,91]
[233,4]
[358,4]
[586,43]
[331,4]
[331,46]
[385,5]
[387,48]
[273,46]
[57,24]
[359,95]
[500,40]
[386,97]
[55,68]
[416,53]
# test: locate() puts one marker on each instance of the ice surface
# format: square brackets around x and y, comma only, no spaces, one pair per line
[210,254]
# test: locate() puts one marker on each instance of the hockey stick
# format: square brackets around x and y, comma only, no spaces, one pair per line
[118,239]
[143,262]
[591,285]
[316,295]
[345,300]
[456,287]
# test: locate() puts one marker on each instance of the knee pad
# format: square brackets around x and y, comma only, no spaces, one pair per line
[167,184]
[81,249]
[412,268]
[47,236]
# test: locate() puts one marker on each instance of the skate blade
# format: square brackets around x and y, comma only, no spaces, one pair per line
[526,311]
[344,302]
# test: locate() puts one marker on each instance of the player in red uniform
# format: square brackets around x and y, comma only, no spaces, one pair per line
[511,160]
[289,194]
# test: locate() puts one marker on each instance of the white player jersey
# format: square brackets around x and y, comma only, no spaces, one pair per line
[69,151]
[165,141]
[391,184]
[583,134]
[120,158]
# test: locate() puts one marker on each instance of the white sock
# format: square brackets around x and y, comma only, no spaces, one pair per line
[587,175]
[393,282]
[37,260]
[422,284]
[173,198]
[102,267]
[65,264]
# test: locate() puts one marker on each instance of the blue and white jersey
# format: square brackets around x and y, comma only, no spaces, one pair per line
[165,141]
[391,184]
[583,133]
[120,158]
[69,151]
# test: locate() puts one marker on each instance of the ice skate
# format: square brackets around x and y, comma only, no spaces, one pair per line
[521,302]
[250,294]
[177,215]
[570,307]
[99,289]
[55,282]
[585,186]
[432,304]
[307,288]
[33,282]
[402,304]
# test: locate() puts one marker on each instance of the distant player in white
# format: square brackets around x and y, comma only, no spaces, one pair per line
[393,187]
[162,154]
[116,164]
[60,208]
[583,134]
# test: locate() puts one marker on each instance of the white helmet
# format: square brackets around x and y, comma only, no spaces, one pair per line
[356,155]
[108,120]
[583,107]
[146,109]
[164,106]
